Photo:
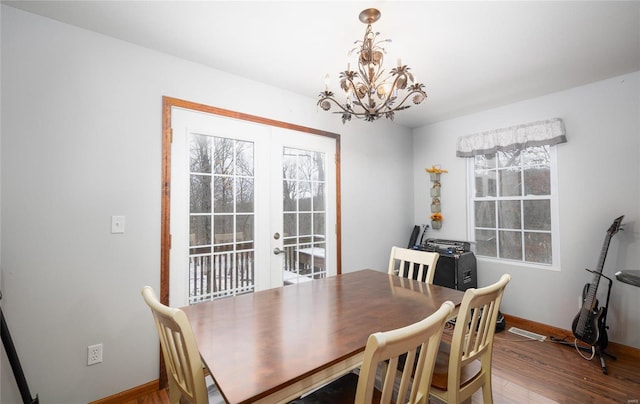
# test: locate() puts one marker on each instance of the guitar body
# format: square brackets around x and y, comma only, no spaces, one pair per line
[593,330]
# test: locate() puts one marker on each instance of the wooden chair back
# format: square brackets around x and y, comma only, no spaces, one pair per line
[464,366]
[418,343]
[413,264]
[180,351]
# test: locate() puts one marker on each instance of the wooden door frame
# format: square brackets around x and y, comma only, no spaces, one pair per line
[167,138]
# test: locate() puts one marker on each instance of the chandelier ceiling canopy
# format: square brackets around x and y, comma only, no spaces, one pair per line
[369,93]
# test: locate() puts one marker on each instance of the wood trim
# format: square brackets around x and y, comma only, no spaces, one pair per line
[176,102]
[165,231]
[338,209]
[131,394]
[556,332]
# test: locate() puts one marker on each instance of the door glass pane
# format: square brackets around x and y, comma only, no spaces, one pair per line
[319,166]
[200,194]
[244,194]
[304,190]
[244,158]
[200,230]
[290,224]
[224,154]
[304,215]
[200,154]
[318,196]
[318,226]
[222,218]
[289,195]
[223,194]
[305,224]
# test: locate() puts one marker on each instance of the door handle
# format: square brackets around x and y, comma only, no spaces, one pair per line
[277,251]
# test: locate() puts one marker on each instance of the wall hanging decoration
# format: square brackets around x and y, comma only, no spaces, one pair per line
[434,176]
[436,220]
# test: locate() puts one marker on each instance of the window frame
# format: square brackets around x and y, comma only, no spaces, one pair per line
[555,222]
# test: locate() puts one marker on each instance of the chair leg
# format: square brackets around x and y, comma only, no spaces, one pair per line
[174,393]
[487,395]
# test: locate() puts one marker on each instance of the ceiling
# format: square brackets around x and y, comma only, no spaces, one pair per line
[470,55]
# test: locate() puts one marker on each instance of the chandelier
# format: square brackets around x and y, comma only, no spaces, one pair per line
[369,93]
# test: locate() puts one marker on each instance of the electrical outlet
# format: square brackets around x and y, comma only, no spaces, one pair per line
[94,354]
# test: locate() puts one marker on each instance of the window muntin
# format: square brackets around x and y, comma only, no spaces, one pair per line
[513,203]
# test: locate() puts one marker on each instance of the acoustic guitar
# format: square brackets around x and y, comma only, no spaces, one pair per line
[589,325]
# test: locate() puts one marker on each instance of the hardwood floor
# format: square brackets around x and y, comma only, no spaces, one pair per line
[529,371]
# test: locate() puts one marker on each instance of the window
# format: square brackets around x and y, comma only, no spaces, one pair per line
[513,205]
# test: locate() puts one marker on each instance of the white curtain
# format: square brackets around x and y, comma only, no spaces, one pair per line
[541,133]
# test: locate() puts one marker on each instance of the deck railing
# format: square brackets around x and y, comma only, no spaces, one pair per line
[229,273]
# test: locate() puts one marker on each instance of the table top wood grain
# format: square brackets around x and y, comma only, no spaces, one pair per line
[256,344]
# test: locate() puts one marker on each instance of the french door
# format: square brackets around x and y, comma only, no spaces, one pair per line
[253,206]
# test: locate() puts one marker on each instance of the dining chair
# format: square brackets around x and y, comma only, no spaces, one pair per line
[377,379]
[413,264]
[181,356]
[464,366]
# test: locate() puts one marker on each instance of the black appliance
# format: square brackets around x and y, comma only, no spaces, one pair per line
[456,267]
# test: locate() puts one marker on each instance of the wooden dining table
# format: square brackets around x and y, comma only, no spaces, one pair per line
[274,345]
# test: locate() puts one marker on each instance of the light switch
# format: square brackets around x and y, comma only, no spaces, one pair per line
[117,224]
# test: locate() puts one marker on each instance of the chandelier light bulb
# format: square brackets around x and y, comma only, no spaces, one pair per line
[370,93]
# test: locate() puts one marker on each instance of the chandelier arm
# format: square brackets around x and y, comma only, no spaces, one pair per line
[329,98]
[384,107]
[409,95]
[347,110]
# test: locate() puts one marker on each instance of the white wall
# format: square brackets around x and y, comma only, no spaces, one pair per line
[81,141]
[598,180]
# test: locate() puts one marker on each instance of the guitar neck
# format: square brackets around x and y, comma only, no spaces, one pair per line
[590,300]
[603,256]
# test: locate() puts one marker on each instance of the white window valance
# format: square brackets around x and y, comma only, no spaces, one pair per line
[541,133]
